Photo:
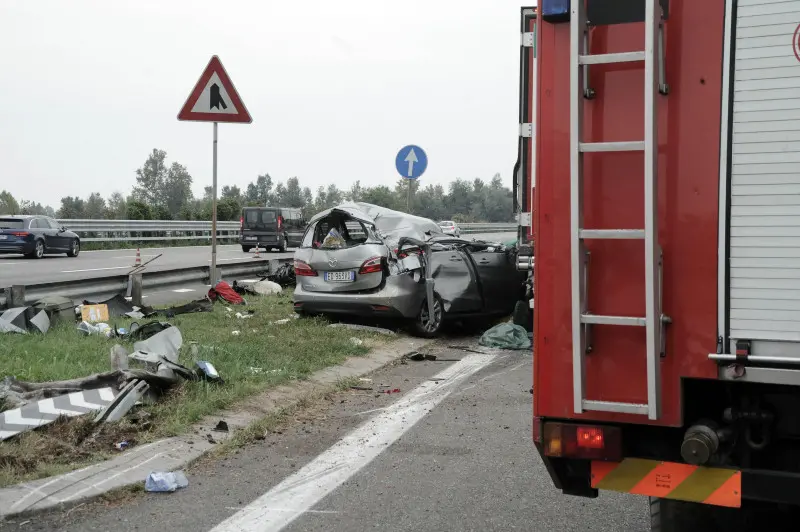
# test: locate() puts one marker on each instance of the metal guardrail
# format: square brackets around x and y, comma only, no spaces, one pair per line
[165,230]
[117,284]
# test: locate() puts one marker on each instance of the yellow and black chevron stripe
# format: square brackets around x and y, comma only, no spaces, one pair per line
[670,480]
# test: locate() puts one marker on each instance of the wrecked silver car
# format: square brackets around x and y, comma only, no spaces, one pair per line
[364,260]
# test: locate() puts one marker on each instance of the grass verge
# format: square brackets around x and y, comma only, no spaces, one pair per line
[264,354]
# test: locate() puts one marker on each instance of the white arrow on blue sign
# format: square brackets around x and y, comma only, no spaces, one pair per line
[411,162]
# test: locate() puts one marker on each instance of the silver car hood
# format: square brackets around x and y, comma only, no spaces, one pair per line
[391,225]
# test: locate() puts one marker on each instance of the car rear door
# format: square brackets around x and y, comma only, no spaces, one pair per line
[501,283]
[455,280]
[40,227]
[260,225]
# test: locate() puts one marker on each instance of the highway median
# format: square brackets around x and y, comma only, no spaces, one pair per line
[254,347]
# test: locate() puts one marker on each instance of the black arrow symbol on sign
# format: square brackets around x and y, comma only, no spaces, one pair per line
[216,99]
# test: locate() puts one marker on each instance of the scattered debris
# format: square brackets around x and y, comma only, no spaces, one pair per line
[121,446]
[163,482]
[199,305]
[393,390]
[267,288]
[119,358]
[362,388]
[246,316]
[281,322]
[58,309]
[207,371]
[224,291]
[467,349]
[50,408]
[95,313]
[124,401]
[143,332]
[89,329]
[356,341]
[23,319]
[284,275]
[364,379]
[416,356]
[367,328]
[506,336]
[235,333]
[222,426]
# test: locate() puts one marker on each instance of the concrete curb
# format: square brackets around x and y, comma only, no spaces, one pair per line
[133,466]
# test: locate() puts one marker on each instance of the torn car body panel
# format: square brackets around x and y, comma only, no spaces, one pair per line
[366,260]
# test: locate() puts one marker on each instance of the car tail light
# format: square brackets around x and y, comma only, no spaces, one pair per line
[591,442]
[406,252]
[280,222]
[373,265]
[241,223]
[20,233]
[302,269]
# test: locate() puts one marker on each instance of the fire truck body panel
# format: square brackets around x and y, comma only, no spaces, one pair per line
[688,190]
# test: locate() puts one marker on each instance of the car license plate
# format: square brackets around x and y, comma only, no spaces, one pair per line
[340,277]
[251,238]
[411,262]
[3,237]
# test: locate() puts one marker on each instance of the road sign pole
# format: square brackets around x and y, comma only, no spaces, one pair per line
[408,197]
[214,213]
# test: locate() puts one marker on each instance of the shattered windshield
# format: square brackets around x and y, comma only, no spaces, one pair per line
[337,232]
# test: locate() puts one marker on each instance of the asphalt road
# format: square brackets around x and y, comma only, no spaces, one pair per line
[451,455]
[16,269]
[19,270]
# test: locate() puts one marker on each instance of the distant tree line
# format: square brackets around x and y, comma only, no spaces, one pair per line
[163,191]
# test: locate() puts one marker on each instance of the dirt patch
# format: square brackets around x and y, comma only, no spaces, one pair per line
[69,441]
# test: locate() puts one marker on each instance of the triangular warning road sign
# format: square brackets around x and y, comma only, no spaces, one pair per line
[214,98]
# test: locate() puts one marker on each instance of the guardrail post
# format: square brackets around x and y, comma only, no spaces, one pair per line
[16,296]
[135,284]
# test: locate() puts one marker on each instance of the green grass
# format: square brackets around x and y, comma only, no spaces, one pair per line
[263,355]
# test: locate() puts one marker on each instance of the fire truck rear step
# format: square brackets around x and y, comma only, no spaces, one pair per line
[582,318]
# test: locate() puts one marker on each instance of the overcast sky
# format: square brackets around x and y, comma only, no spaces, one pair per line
[335,88]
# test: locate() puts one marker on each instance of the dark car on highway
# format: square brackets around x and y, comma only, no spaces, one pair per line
[36,236]
[271,227]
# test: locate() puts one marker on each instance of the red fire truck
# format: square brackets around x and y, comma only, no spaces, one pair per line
[662,139]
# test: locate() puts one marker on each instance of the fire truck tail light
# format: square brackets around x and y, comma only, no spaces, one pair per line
[591,442]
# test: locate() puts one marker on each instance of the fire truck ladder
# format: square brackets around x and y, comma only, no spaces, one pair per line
[582,318]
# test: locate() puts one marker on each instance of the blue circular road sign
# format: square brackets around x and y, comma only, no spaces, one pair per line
[411,162]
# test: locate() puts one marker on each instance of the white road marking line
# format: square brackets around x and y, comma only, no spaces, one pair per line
[181,290]
[128,298]
[99,269]
[305,488]
[287,510]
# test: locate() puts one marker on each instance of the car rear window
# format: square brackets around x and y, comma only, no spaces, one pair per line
[265,217]
[12,223]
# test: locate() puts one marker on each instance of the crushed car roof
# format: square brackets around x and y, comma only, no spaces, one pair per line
[392,225]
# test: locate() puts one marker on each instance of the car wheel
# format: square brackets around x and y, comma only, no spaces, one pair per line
[247,249]
[38,251]
[74,248]
[424,325]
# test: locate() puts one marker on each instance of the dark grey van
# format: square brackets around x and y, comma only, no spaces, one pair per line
[271,227]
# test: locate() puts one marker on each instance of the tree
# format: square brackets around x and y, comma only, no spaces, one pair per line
[355,192]
[139,211]
[95,206]
[117,207]
[259,194]
[151,179]
[231,192]
[228,209]
[381,195]
[8,205]
[72,208]
[31,207]
[177,191]
[294,194]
